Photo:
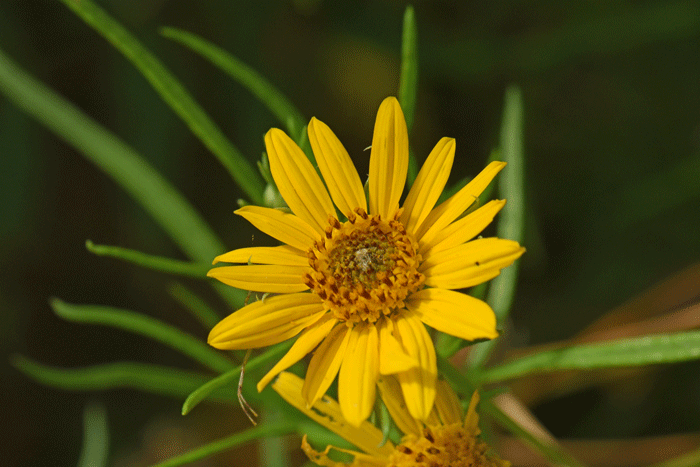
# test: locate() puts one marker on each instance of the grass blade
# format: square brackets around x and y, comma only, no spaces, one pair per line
[279,105]
[143,377]
[140,180]
[408,81]
[157,263]
[638,351]
[261,431]
[511,186]
[146,326]
[95,437]
[174,94]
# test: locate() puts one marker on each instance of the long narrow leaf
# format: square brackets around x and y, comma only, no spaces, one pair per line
[261,431]
[174,94]
[160,199]
[157,263]
[511,186]
[638,351]
[228,378]
[279,105]
[154,379]
[408,81]
[146,326]
[95,437]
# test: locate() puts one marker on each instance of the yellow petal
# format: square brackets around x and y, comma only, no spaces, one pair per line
[469,264]
[392,396]
[321,458]
[417,384]
[281,225]
[306,342]
[327,413]
[283,255]
[263,278]
[447,403]
[325,363]
[388,161]
[297,180]
[357,381]
[462,230]
[471,421]
[337,168]
[429,184]
[267,322]
[454,313]
[448,211]
[392,357]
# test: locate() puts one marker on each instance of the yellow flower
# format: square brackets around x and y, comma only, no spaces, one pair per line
[447,438]
[375,275]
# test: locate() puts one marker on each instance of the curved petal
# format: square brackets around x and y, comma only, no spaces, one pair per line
[325,363]
[392,358]
[327,413]
[322,458]
[448,211]
[470,264]
[267,322]
[357,381]
[283,255]
[417,384]
[337,168]
[447,403]
[303,345]
[390,390]
[297,180]
[464,229]
[263,278]
[388,162]
[429,184]
[281,225]
[454,313]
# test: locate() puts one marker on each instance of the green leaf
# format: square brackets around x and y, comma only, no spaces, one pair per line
[231,377]
[638,351]
[157,263]
[511,186]
[199,309]
[146,326]
[408,81]
[95,437]
[174,94]
[160,199]
[154,379]
[281,107]
[261,431]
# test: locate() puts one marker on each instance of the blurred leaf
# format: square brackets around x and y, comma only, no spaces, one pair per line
[408,81]
[174,94]
[160,199]
[691,459]
[158,263]
[144,377]
[95,450]
[646,350]
[146,326]
[199,309]
[261,431]
[268,94]
[226,379]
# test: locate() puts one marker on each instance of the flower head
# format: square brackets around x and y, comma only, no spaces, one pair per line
[360,286]
[447,438]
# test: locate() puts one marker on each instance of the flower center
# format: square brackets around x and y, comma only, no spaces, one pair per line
[364,268]
[446,445]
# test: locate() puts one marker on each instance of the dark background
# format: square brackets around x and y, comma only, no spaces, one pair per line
[612,137]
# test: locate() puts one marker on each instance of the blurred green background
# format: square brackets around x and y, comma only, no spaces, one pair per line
[612,136]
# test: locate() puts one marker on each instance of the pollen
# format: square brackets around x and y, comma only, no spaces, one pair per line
[442,446]
[365,267]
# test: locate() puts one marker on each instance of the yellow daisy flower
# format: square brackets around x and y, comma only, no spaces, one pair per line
[447,438]
[360,287]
